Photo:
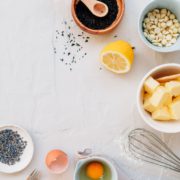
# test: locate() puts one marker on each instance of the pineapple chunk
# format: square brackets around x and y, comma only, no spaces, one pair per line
[148,106]
[175,108]
[150,85]
[146,96]
[173,87]
[160,97]
[162,114]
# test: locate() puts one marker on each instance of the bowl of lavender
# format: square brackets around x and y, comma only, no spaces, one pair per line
[98,25]
[16,149]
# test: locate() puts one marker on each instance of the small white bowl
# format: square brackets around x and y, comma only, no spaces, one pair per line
[27,155]
[82,162]
[163,126]
[173,6]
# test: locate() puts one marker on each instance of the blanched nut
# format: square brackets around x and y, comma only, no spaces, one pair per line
[161,27]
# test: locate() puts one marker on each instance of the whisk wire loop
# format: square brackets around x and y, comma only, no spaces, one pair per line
[148,147]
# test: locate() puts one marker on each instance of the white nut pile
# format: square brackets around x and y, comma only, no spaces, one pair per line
[161,27]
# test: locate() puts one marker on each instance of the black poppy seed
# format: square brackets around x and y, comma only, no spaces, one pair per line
[69,53]
[93,22]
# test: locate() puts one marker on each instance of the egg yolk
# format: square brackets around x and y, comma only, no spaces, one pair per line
[95,170]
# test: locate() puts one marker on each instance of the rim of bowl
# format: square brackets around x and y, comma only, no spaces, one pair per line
[144,39]
[95,158]
[116,22]
[139,91]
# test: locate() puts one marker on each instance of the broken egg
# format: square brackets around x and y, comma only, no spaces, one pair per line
[57,161]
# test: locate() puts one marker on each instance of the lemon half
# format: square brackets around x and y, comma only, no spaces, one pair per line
[117,57]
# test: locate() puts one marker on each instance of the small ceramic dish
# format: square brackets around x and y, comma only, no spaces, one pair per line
[163,126]
[174,7]
[81,165]
[27,155]
[121,7]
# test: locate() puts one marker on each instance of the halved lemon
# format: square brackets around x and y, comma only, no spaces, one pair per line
[117,57]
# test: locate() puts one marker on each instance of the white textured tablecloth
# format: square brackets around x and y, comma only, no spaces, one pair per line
[69,110]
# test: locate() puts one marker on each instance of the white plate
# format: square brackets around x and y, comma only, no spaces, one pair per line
[27,155]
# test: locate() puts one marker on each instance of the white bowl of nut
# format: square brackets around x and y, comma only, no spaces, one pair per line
[158,98]
[159,25]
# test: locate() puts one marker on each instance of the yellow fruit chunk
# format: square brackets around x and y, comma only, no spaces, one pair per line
[95,170]
[162,114]
[175,108]
[117,57]
[147,105]
[160,97]
[146,96]
[173,87]
[150,85]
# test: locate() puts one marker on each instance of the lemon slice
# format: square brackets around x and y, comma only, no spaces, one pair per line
[117,57]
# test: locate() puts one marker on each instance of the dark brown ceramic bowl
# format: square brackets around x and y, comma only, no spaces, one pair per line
[121,6]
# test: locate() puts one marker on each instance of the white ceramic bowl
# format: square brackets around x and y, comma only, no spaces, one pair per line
[27,155]
[174,6]
[159,71]
[99,159]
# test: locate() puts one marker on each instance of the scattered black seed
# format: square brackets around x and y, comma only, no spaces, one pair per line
[12,146]
[93,22]
[71,45]
[115,36]
[133,48]
[100,68]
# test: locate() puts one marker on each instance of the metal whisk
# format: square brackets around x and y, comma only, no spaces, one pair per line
[146,146]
